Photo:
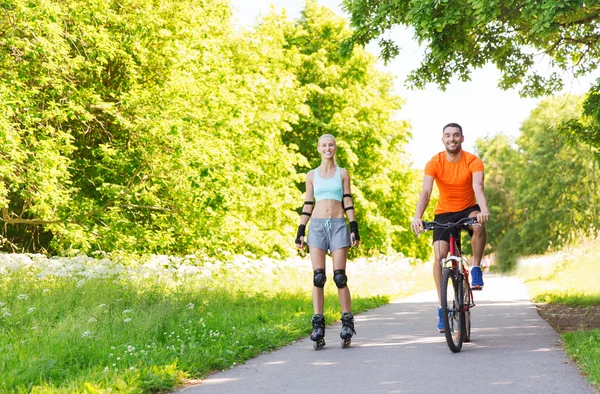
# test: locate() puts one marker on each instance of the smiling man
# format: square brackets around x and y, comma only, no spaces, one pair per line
[459,178]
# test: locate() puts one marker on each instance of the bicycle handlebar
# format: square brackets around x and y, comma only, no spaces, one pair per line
[462,222]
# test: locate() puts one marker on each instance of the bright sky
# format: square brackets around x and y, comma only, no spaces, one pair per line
[478,106]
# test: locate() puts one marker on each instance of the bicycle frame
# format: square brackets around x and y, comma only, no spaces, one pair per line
[458,263]
[456,314]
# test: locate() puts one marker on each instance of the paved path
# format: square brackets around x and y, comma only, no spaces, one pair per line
[398,350]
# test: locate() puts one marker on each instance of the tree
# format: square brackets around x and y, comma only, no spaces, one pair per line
[155,127]
[543,189]
[502,163]
[464,35]
[557,190]
[587,127]
[143,126]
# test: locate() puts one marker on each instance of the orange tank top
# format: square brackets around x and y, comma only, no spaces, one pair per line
[454,181]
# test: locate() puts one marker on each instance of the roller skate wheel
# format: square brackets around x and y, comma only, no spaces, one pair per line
[346,343]
[319,344]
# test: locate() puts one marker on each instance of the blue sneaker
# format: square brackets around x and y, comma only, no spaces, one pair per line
[476,278]
[440,322]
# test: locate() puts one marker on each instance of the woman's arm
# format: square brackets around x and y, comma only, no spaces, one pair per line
[348,204]
[307,209]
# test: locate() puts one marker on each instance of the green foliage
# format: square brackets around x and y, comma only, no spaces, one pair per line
[115,130]
[156,127]
[83,324]
[544,193]
[461,36]
[500,185]
[584,347]
[570,277]
[587,127]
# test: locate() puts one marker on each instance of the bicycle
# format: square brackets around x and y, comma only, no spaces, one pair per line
[457,303]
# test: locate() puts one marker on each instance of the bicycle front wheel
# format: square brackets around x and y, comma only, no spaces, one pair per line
[453,318]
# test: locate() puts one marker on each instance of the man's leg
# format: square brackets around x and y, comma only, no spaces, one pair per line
[478,240]
[440,251]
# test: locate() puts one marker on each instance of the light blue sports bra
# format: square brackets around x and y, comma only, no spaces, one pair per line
[328,188]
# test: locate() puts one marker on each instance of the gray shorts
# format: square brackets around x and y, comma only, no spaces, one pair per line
[328,234]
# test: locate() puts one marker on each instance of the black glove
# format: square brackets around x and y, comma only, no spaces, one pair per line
[354,229]
[301,232]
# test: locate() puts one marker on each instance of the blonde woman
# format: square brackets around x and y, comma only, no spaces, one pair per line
[328,200]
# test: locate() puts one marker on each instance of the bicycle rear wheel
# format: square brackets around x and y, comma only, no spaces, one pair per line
[453,318]
[467,298]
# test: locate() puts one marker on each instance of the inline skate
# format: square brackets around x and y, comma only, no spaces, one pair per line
[347,329]
[318,333]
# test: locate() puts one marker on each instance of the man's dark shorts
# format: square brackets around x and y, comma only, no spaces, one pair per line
[451,217]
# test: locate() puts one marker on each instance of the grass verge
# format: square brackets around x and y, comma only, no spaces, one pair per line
[566,287]
[92,325]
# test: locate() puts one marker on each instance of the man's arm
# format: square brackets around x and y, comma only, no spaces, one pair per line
[484,215]
[417,223]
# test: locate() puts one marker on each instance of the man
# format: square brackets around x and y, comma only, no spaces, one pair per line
[459,178]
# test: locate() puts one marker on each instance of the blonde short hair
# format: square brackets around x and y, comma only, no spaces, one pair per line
[326,136]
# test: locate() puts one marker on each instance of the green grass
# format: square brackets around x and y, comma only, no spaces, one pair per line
[584,347]
[85,325]
[569,277]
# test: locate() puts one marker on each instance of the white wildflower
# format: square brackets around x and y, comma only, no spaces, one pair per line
[127,311]
[92,320]
[30,310]
[23,297]
[127,320]
[86,334]
[46,291]
[190,306]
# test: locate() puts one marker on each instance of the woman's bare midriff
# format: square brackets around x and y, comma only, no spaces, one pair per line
[328,208]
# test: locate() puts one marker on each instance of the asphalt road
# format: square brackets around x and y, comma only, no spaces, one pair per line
[397,349]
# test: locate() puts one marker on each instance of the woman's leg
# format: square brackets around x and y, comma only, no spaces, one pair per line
[339,257]
[317,257]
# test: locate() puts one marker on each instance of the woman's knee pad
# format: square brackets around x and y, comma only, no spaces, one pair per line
[319,278]
[340,278]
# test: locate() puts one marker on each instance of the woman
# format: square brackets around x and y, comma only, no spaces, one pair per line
[328,191]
